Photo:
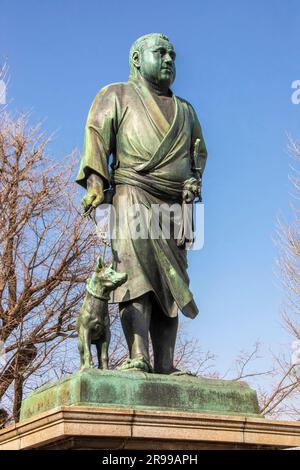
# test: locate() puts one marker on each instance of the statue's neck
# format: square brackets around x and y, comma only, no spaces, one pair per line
[155,88]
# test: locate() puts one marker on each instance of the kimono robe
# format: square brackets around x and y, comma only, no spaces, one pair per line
[151,161]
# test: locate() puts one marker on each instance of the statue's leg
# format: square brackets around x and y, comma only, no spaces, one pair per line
[163,331]
[135,319]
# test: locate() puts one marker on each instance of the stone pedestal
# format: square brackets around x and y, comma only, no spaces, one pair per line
[73,427]
[111,410]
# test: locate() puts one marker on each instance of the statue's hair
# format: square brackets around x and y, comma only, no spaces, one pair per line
[138,45]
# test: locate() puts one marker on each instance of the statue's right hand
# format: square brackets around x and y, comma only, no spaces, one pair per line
[93,198]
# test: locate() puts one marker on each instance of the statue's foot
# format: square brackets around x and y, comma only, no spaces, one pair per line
[139,364]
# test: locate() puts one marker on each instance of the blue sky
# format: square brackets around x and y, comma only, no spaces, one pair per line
[236,61]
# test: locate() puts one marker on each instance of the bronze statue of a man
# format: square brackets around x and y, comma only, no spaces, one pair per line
[152,136]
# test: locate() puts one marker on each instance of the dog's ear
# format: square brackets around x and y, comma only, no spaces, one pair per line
[100,263]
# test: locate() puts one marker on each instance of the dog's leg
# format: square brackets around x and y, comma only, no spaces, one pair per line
[80,349]
[99,344]
[85,336]
[104,347]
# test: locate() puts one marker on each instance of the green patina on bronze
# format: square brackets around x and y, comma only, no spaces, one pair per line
[120,389]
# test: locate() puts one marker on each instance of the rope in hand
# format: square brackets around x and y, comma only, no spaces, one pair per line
[91,213]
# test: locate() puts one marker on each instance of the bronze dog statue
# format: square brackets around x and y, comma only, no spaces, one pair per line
[93,321]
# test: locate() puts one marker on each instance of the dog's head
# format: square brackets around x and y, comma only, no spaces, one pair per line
[106,278]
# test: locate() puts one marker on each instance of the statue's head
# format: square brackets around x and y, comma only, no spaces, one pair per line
[153,57]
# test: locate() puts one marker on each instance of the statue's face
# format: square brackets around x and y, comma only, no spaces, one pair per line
[157,62]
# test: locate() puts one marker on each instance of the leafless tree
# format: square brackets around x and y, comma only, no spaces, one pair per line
[45,253]
[278,388]
[282,398]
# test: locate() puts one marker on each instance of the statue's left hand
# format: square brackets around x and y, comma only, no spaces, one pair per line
[188,196]
[191,189]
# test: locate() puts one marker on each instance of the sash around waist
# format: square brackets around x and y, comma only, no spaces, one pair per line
[154,185]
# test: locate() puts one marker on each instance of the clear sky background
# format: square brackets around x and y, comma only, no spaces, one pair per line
[236,60]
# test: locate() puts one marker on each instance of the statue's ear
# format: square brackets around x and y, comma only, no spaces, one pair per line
[136,59]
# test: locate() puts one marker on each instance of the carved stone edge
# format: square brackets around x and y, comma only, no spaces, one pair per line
[67,422]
